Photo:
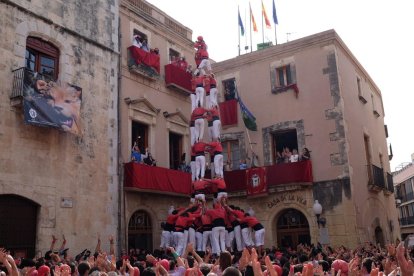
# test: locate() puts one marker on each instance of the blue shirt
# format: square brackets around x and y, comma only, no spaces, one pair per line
[136,156]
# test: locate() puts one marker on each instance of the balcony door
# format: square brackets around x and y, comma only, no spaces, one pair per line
[139,135]
[176,150]
[292,228]
[284,139]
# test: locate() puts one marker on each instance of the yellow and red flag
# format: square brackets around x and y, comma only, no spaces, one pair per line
[267,22]
[253,21]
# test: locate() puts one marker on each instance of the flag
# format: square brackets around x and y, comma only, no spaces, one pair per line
[267,22]
[241,24]
[248,118]
[274,13]
[253,21]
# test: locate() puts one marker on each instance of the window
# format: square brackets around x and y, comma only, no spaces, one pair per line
[368,158]
[231,154]
[283,78]
[230,89]
[281,140]
[42,57]
[140,231]
[360,92]
[374,109]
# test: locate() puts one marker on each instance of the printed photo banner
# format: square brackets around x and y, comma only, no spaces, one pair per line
[51,104]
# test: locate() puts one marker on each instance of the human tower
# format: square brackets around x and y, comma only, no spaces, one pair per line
[221,227]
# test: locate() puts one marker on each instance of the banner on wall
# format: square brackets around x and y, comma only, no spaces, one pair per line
[51,104]
[257,184]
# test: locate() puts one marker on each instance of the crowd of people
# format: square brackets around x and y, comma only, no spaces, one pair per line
[306,260]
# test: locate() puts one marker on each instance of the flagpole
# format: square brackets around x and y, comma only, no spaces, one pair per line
[238,25]
[275,35]
[251,47]
[262,25]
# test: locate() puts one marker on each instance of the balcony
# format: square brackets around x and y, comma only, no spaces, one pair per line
[407,221]
[407,197]
[390,185]
[376,181]
[177,79]
[146,64]
[252,181]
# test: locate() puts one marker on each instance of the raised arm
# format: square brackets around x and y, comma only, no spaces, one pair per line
[52,245]
[98,244]
[111,245]
[63,243]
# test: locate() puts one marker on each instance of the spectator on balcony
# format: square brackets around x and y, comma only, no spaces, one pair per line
[189,69]
[279,158]
[294,157]
[306,154]
[243,164]
[286,154]
[137,40]
[149,160]
[136,155]
[145,46]
[155,51]
[182,63]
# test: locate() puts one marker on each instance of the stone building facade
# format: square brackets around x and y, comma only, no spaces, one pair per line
[53,182]
[313,93]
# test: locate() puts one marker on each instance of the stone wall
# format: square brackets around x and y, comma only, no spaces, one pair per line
[49,166]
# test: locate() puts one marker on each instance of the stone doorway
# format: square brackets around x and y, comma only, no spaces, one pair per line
[18,216]
[292,228]
[140,231]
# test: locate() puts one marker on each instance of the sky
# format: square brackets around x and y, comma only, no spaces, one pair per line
[377,32]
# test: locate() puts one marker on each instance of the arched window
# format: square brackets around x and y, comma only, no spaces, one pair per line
[42,57]
[140,231]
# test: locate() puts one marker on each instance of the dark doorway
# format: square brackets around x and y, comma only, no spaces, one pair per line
[292,229]
[175,150]
[140,231]
[18,217]
[140,135]
[379,236]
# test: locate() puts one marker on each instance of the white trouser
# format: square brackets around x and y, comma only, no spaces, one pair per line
[206,239]
[205,64]
[193,101]
[191,236]
[210,133]
[216,130]
[259,237]
[246,236]
[199,129]
[200,166]
[229,240]
[199,96]
[218,165]
[208,103]
[199,241]
[213,96]
[165,239]
[179,242]
[238,237]
[193,170]
[192,135]
[218,234]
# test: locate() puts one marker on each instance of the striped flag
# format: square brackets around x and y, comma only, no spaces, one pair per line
[252,18]
[241,23]
[274,13]
[267,21]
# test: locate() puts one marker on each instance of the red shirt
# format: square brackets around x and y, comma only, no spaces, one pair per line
[206,83]
[198,113]
[251,221]
[172,218]
[199,185]
[199,81]
[215,147]
[213,83]
[213,114]
[199,147]
[216,213]
[219,183]
[182,222]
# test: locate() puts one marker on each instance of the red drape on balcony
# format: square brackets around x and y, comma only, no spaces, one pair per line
[284,173]
[236,180]
[175,75]
[228,112]
[148,58]
[157,179]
